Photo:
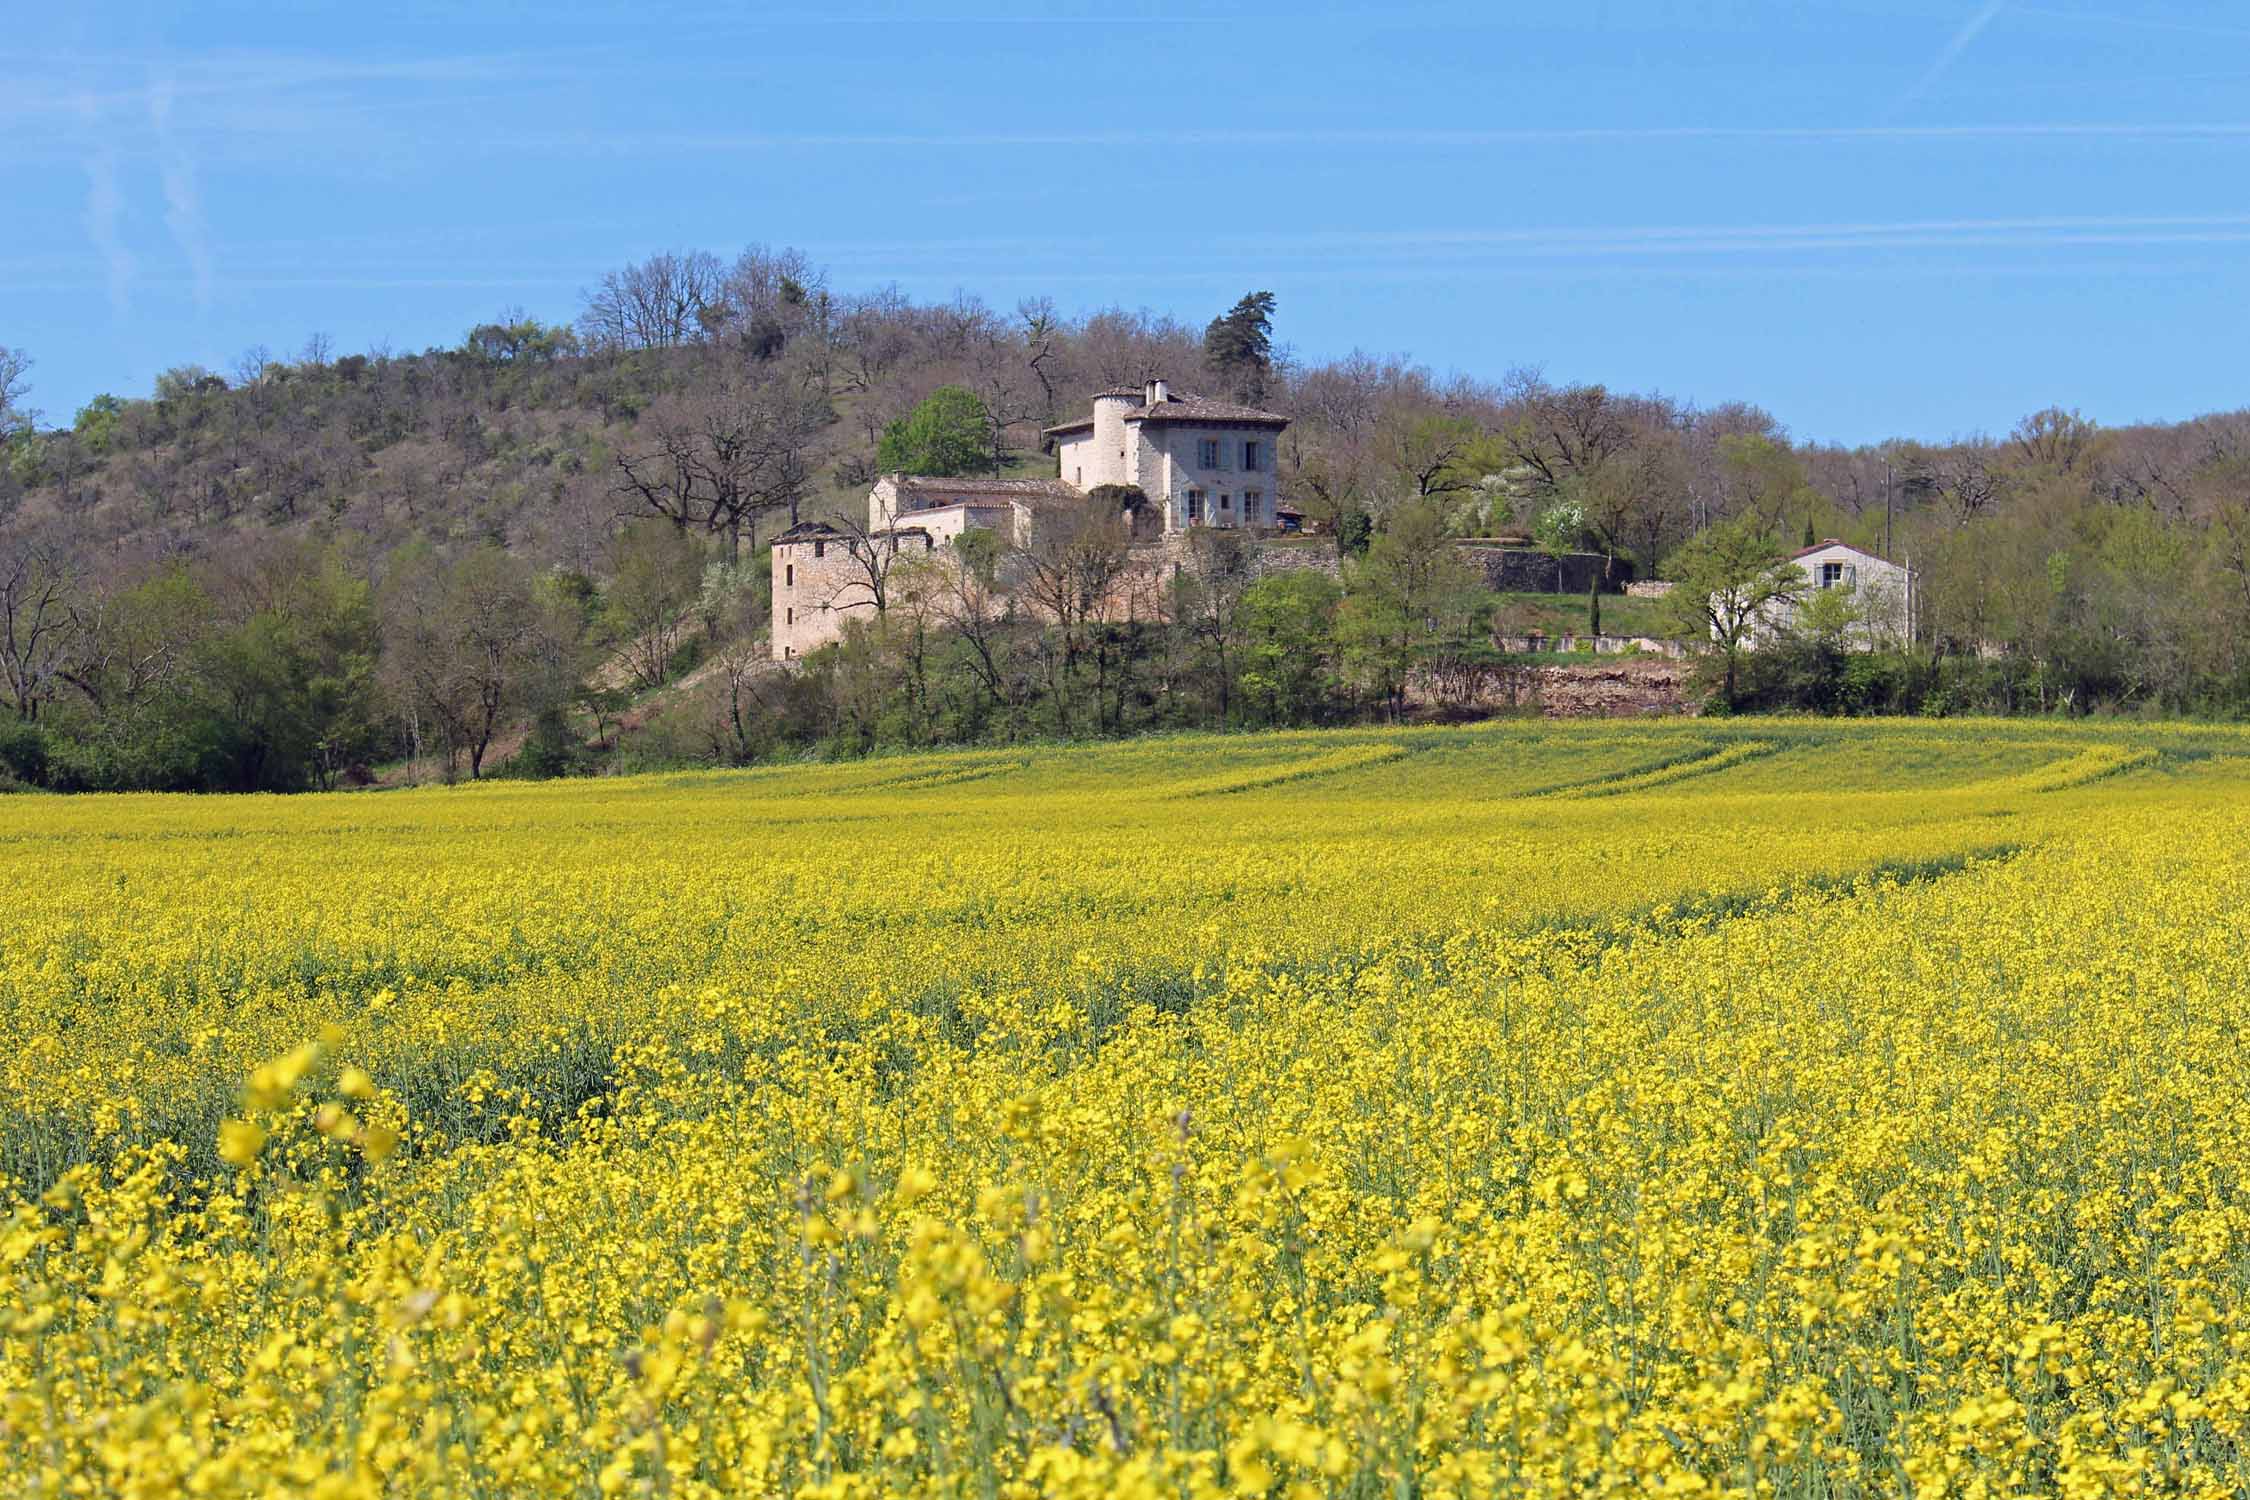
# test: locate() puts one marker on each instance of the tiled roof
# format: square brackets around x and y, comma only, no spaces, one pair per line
[1824,545]
[821,531]
[1203,409]
[1181,408]
[1008,489]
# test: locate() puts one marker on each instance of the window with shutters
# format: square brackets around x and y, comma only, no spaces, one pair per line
[1253,506]
[1251,457]
[1207,453]
[1195,505]
[1831,574]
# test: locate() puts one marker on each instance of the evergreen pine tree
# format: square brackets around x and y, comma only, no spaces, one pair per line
[1238,346]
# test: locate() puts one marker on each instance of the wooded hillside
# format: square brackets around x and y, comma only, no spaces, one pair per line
[404,545]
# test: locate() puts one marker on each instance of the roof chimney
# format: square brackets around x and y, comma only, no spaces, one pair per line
[1158,391]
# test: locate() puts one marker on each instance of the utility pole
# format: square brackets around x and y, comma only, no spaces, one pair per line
[1887,552]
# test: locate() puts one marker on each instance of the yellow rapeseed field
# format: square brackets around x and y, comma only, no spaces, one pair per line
[1761,1108]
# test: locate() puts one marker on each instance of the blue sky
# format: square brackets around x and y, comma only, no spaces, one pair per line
[1923,218]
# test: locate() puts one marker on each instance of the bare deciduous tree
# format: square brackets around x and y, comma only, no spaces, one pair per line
[876,334]
[38,625]
[765,300]
[1042,332]
[1067,570]
[721,458]
[15,382]
[2055,439]
[874,561]
[1965,479]
[471,644]
[658,303]
[970,600]
[655,570]
[1557,432]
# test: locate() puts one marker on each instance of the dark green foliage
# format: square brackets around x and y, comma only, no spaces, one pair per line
[1238,346]
[552,747]
[520,338]
[949,433]
[255,673]
[1127,499]
[1354,530]
[23,754]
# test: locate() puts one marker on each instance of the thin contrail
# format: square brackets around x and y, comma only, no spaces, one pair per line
[1431,139]
[1970,30]
[183,204]
[105,212]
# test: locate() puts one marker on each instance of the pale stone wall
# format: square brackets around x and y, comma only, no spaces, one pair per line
[805,578]
[883,503]
[1078,460]
[888,507]
[1173,451]
[1108,458]
[1165,460]
[948,521]
[817,586]
[1171,552]
[1153,463]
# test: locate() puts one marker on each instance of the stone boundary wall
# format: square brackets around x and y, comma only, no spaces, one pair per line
[1630,687]
[1527,570]
[1265,556]
[1649,588]
[1600,645]
[1268,558]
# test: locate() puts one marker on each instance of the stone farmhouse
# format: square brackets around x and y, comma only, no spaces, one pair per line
[1201,463]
